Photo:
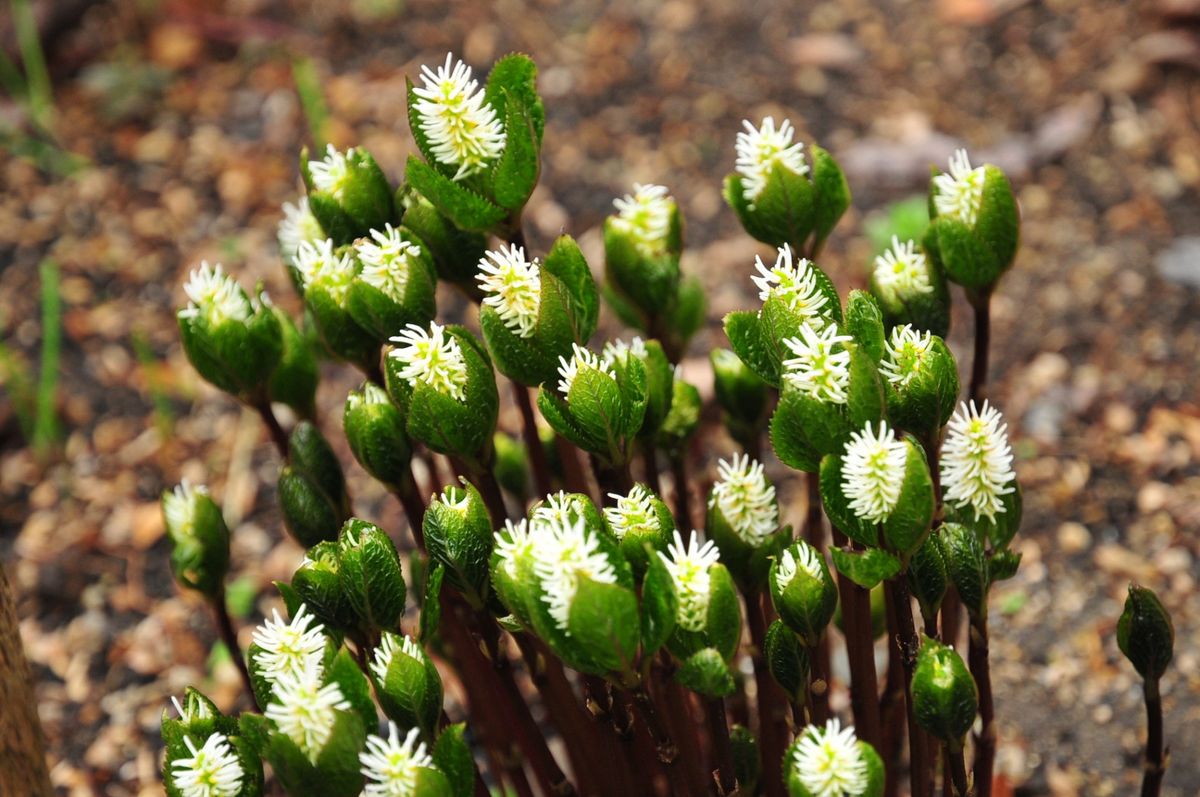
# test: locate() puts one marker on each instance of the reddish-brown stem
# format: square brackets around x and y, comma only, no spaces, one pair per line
[414,506]
[985,739]
[772,702]
[982,304]
[1156,755]
[665,749]
[683,498]
[650,465]
[722,748]
[814,535]
[538,464]
[229,637]
[956,771]
[860,650]
[919,759]
[278,435]
[572,465]
[891,707]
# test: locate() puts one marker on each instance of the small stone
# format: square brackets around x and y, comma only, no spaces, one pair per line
[1073,537]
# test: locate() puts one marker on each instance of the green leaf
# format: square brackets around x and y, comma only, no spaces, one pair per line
[784,208]
[927,575]
[837,506]
[453,757]
[1003,565]
[804,429]
[999,222]
[515,76]
[866,568]
[431,607]
[605,625]
[864,322]
[832,195]
[967,565]
[566,262]
[464,207]
[906,526]
[371,575]
[705,672]
[943,693]
[723,627]
[865,402]
[1145,633]
[744,330]
[962,254]
[660,606]
[516,172]
[787,659]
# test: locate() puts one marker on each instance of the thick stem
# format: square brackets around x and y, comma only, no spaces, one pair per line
[985,740]
[982,304]
[612,478]
[891,707]
[772,702]
[682,716]
[229,637]
[907,637]
[650,465]
[814,535]
[722,748]
[860,650]
[484,480]
[278,436]
[683,498]
[414,507]
[23,763]
[572,465]
[1156,756]
[956,768]
[665,748]
[538,464]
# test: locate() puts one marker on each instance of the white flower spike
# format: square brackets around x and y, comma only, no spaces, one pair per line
[331,173]
[433,357]
[562,554]
[189,711]
[298,226]
[514,548]
[290,649]
[387,261]
[746,499]
[633,513]
[390,766]
[829,763]
[215,295]
[820,368]
[618,351]
[180,505]
[461,127]
[902,269]
[389,646]
[688,566]
[319,265]
[904,353]
[213,770]
[873,472]
[760,149]
[807,560]
[513,286]
[568,370]
[976,462]
[794,283]
[305,711]
[645,216]
[960,191]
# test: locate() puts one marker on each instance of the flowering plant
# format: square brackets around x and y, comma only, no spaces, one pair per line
[546,594]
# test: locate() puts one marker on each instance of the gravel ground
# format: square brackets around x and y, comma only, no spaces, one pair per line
[189,122]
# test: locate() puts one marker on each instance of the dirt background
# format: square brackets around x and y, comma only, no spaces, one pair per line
[188,118]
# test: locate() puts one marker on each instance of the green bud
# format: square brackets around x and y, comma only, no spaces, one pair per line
[784,201]
[200,726]
[407,683]
[706,672]
[803,591]
[456,253]
[329,274]
[199,539]
[294,380]
[371,576]
[967,566]
[1145,633]
[512,468]
[318,583]
[975,225]
[347,193]
[375,431]
[741,394]
[683,418]
[642,523]
[787,659]
[943,693]
[911,289]
[396,283]
[864,323]
[747,768]
[660,377]
[642,244]
[312,489]
[458,534]
[233,342]
[928,575]
[922,381]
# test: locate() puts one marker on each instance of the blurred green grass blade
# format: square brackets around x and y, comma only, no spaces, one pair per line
[164,415]
[18,383]
[45,428]
[37,76]
[312,100]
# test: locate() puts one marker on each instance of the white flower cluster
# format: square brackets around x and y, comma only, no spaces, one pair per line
[386,260]
[645,216]
[688,566]
[391,766]
[462,129]
[289,648]
[760,149]
[513,286]
[298,226]
[581,358]
[633,513]
[213,770]
[829,762]
[793,282]
[563,553]
[902,269]
[976,461]
[215,295]
[820,366]
[806,559]
[904,354]
[331,174]
[391,645]
[746,499]
[960,191]
[431,356]
[179,506]
[873,472]
[319,265]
